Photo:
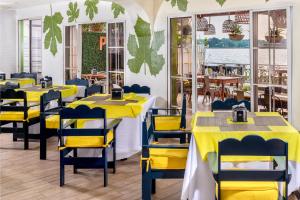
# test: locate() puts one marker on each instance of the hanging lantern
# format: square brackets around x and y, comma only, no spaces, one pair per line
[228,25]
[202,24]
[211,30]
[242,18]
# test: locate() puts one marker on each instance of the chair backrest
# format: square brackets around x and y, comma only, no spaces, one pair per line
[12,85]
[10,94]
[135,88]
[82,112]
[50,97]
[227,105]
[2,77]
[93,90]
[25,75]
[78,82]
[253,145]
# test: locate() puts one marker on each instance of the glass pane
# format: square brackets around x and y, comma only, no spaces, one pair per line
[36,46]
[116,59]
[176,92]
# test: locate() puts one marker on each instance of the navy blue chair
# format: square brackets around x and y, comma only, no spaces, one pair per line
[78,82]
[228,104]
[160,161]
[49,118]
[94,89]
[169,123]
[2,77]
[73,136]
[253,146]
[13,112]
[135,88]
[25,75]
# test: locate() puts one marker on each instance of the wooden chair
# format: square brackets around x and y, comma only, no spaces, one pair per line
[78,82]
[94,89]
[253,182]
[228,104]
[160,161]
[25,75]
[50,105]
[73,136]
[171,124]
[210,90]
[15,109]
[135,88]
[2,76]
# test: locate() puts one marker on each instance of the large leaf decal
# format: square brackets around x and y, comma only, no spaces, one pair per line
[91,8]
[143,51]
[221,2]
[181,4]
[117,9]
[53,31]
[73,12]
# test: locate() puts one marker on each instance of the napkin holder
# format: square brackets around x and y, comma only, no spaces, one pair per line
[46,83]
[239,113]
[117,94]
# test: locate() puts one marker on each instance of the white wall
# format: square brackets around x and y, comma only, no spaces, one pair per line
[8,42]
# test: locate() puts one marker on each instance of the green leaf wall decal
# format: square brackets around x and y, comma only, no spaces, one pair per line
[73,12]
[53,31]
[143,51]
[221,2]
[91,8]
[181,4]
[117,9]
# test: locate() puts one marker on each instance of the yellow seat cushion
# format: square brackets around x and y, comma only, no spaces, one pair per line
[249,190]
[165,123]
[52,122]
[162,158]
[18,116]
[88,141]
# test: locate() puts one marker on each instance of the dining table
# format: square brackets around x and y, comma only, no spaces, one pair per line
[131,109]
[209,128]
[222,81]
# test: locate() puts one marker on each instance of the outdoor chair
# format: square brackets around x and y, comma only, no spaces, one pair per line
[210,90]
[160,161]
[73,135]
[50,105]
[252,184]
[15,109]
[135,88]
[169,124]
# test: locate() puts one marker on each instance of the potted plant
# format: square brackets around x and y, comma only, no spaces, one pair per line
[274,35]
[236,33]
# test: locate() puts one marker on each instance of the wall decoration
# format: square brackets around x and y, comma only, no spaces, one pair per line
[181,4]
[221,2]
[91,8]
[117,9]
[53,31]
[143,51]
[73,12]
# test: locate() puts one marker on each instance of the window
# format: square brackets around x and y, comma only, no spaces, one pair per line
[71,66]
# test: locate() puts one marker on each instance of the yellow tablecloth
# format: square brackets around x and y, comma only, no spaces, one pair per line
[35,94]
[22,81]
[130,110]
[207,137]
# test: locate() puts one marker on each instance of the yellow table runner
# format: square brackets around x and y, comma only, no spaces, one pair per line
[207,137]
[34,93]
[113,111]
[22,81]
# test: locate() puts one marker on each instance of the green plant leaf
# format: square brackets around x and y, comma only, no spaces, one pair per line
[144,52]
[91,8]
[181,4]
[73,12]
[117,9]
[53,31]
[221,2]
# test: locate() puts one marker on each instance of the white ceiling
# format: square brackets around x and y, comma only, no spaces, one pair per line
[15,4]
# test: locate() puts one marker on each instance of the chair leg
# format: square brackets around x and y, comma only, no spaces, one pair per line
[182,139]
[146,185]
[15,138]
[104,156]
[114,156]
[26,137]
[43,145]
[153,186]
[62,170]
[75,156]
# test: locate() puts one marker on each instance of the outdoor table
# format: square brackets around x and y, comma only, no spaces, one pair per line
[221,80]
[68,92]
[23,82]
[131,110]
[209,128]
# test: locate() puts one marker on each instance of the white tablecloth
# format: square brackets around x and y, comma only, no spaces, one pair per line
[128,135]
[199,183]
